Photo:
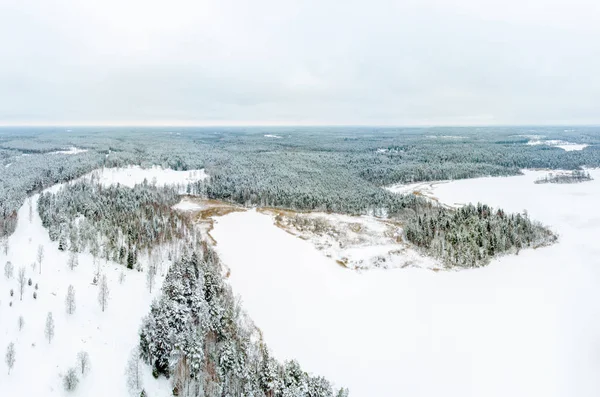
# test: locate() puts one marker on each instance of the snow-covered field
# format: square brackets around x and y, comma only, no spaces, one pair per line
[71,150]
[526,325]
[566,146]
[130,176]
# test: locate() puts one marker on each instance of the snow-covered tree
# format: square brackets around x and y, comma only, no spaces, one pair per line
[133,372]
[49,329]
[62,242]
[5,245]
[73,261]
[9,358]
[40,256]
[70,380]
[103,292]
[30,209]
[343,392]
[70,300]
[83,362]
[150,277]
[8,269]
[21,323]
[22,281]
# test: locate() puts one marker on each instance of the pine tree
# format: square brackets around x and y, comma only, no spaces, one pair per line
[62,244]
[130,259]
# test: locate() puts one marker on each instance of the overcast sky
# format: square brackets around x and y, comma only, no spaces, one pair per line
[376,62]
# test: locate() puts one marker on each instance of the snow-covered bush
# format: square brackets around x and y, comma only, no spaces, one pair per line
[8,269]
[9,358]
[70,380]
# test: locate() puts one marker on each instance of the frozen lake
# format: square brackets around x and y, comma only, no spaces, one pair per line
[524,325]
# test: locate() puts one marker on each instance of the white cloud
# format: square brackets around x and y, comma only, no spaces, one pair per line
[322,62]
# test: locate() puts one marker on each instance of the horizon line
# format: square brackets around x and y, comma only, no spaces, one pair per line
[274,125]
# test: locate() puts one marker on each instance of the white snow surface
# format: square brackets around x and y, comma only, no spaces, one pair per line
[359,242]
[272,136]
[526,325]
[107,336]
[188,205]
[132,175]
[566,146]
[71,150]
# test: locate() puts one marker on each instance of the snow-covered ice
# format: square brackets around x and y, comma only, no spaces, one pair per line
[357,242]
[526,325]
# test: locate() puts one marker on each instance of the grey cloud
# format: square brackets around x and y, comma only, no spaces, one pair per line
[304,62]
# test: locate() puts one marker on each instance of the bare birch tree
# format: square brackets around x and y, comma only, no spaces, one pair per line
[133,371]
[103,292]
[70,300]
[83,362]
[49,330]
[22,281]
[40,256]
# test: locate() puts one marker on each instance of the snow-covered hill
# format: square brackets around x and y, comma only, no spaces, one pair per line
[108,337]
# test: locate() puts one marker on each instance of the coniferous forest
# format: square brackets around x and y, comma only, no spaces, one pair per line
[196,333]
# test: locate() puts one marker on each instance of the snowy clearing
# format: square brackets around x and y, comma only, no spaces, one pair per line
[272,136]
[107,337]
[356,242]
[525,325]
[130,176]
[566,146]
[70,150]
[187,204]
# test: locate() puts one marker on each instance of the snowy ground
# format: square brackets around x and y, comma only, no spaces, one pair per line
[107,336]
[130,176]
[71,150]
[526,325]
[356,242]
[566,146]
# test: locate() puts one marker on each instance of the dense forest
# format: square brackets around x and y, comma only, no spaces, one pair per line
[114,222]
[471,235]
[575,176]
[198,335]
[336,169]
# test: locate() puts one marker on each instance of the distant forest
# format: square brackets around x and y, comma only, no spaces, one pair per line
[335,169]
[330,169]
[575,176]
